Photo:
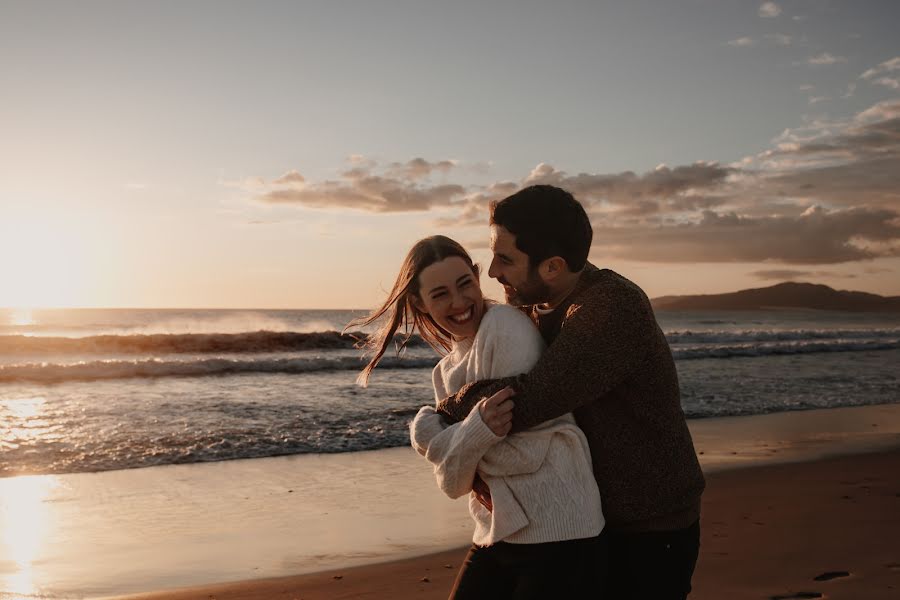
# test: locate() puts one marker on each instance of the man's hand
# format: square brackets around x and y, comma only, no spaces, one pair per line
[482,492]
[496,411]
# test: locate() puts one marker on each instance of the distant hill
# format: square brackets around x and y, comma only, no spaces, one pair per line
[783,295]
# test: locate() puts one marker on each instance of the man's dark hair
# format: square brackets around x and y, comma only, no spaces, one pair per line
[547,221]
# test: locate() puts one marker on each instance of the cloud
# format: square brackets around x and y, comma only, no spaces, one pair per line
[474,210]
[855,166]
[891,82]
[743,42]
[292,177]
[815,237]
[790,274]
[824,193]
[876,270]
[887,66]
[824,59]
[419,168]
[398,188]
[884,110]
[769,10]
[817,99]
[661,187]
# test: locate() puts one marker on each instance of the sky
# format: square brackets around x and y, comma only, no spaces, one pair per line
[264,154]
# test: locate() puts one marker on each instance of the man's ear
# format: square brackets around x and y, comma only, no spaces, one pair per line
[553,267]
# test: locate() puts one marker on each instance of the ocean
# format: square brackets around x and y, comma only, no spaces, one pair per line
[100,389]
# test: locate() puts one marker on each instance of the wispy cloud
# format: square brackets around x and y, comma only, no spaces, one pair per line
[769,10]
[419,168]
[887,66]
[790,274]
[744,42]
[292,177]
[891,82]
[817,236]
[777,39]
[825,193]
[399,187]
[824,59]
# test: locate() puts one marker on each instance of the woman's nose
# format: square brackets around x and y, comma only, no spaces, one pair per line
[456,300]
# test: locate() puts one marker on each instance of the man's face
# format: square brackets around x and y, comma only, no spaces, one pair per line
[521,284]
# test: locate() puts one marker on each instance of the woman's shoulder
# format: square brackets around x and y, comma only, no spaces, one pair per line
[508,326]
[504,315]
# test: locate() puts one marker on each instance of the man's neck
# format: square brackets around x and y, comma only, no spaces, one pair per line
[565,289]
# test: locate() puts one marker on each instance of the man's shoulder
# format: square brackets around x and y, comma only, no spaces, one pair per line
[606,284]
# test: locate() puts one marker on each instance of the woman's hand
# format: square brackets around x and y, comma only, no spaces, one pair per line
[496,411]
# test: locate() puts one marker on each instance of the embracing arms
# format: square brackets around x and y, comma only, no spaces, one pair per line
[507,344]
[603,340]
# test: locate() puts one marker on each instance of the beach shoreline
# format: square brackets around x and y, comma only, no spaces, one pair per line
[263,522]
[767,531]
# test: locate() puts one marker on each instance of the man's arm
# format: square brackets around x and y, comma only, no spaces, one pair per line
[457,407]
[600,345]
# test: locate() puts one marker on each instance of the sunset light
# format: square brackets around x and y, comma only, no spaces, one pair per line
[470,299]
[44,260]
[26,522]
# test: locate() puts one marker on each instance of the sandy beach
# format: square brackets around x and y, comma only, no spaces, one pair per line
[829,527]
[790,496]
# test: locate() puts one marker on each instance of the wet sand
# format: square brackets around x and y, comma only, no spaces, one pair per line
[826,529]
[102,535]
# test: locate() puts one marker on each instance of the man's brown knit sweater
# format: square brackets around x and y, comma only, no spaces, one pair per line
[609,363]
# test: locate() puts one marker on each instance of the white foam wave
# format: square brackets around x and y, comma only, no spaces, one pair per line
[124,369]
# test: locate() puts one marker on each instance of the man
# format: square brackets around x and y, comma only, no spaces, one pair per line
[608,362]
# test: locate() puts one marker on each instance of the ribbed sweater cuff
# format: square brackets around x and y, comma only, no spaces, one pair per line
[477,431]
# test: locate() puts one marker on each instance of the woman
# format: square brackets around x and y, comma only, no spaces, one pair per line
[540,538]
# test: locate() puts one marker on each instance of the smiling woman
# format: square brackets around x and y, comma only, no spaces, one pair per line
[43,260]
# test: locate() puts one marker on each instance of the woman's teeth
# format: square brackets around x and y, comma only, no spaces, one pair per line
[462,318]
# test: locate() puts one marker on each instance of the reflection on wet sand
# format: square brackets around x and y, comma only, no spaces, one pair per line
[25,525]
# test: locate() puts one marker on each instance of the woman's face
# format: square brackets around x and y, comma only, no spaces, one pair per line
[449,291]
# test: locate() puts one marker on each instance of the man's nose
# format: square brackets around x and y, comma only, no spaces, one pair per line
[493,271]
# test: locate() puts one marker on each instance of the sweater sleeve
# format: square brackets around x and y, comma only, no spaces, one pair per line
[602,341]
[454,450]
[509,344]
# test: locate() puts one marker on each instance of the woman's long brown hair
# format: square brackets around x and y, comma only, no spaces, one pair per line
[400,308]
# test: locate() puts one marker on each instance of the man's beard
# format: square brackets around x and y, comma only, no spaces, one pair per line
[532,291]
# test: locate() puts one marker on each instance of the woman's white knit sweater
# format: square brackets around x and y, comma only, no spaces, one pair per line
[541,481]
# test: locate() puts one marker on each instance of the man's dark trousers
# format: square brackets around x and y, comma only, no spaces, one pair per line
[652,565]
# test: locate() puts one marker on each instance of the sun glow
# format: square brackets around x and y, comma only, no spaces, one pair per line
[43,260]
[21,316]
[24,526]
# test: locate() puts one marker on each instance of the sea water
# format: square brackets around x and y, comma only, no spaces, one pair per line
[100,389]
